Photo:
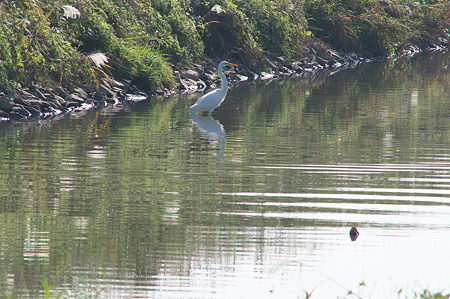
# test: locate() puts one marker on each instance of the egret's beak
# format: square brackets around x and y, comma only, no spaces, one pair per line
[233,64]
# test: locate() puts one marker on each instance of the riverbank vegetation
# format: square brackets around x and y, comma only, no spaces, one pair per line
[51,43]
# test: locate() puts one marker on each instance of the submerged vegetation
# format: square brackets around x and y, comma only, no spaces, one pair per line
[48,43]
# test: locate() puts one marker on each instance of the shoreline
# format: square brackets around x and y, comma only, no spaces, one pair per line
[39,102]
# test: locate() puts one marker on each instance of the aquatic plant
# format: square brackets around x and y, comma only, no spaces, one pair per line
[47,291]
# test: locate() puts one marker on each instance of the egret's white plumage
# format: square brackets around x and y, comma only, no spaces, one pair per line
[213,99]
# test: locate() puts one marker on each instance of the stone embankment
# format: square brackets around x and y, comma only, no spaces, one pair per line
[41,102]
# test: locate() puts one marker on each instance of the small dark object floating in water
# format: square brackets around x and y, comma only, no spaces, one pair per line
[354,234]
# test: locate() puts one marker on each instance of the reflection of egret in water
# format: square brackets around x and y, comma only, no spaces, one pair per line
[212,130]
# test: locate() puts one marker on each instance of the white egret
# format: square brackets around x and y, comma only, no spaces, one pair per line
[213,99]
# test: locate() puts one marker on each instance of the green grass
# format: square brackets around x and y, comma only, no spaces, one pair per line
[48,294]
[379,28]
[146,40]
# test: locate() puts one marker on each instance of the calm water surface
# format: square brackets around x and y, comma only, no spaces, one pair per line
[142,201]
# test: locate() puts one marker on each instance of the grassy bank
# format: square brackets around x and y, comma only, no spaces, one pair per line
[52,43]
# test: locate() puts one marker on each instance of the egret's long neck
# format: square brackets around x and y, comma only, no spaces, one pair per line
[224,80]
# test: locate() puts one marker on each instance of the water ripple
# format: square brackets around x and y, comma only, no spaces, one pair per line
[422,167]
[346,196]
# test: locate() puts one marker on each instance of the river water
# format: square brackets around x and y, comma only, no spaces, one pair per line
[143,201]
